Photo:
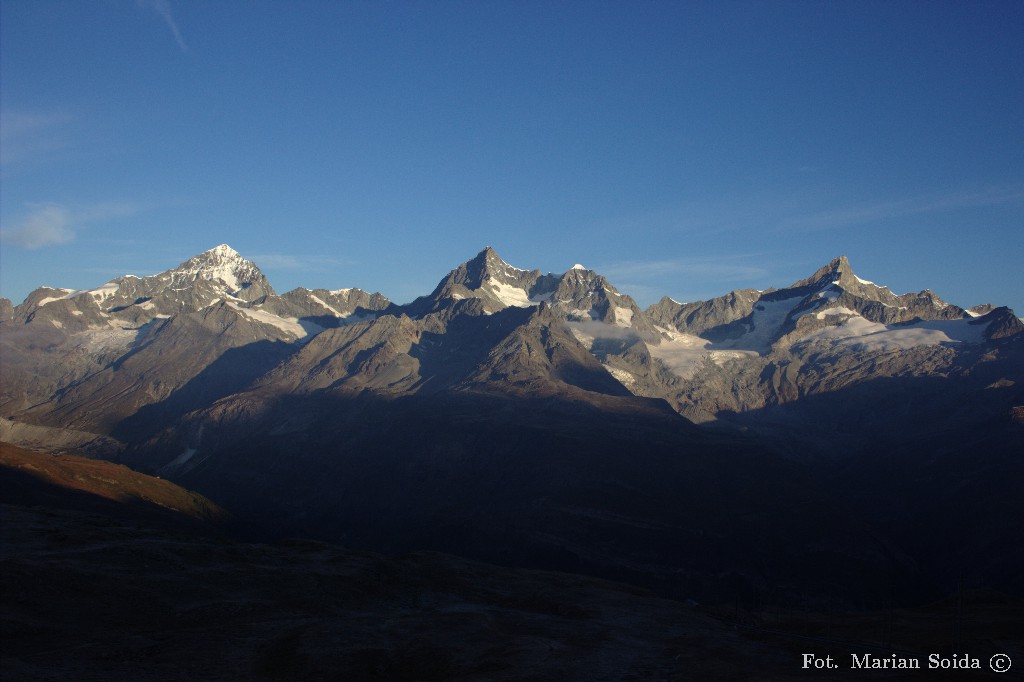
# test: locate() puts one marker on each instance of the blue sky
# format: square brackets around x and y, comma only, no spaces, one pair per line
[679,148]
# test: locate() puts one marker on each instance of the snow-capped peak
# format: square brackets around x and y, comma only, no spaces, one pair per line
[578,266]
[224,251]
[221,263]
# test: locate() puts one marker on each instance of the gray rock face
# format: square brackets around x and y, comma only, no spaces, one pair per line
[712,319]
[577,296]
[340,303]
[771,360]
[138,341]
[488,278]
[583,296]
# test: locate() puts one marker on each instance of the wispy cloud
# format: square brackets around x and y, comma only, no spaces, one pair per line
[44,226]
[52,225]
[163,8]
[283,261]
[27,136]
[873,212]
[718,269]
[647,281]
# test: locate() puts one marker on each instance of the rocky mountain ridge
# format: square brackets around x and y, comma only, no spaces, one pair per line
[515,416]
[100,334]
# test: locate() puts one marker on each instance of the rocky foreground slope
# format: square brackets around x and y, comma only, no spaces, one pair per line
[96,588]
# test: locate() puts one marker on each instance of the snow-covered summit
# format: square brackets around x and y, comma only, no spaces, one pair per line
[220,264]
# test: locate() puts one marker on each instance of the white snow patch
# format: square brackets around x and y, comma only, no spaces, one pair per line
[684,353]
[99,293]
[77,312]
[627,379]
[292,326]
[329,307]
[224,274]
[623,317]
[721,356]
[581,314]
[838,310]
[49,299]
[864,281]
[106,291]
[222,264]
[341,292]
[508,294]
[182,458]
[861,334]
[768,317]
[104,339]
[578,266]
[583,337]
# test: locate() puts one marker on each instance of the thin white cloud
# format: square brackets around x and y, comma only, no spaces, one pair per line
[643,294]
[52,225]
[28,136]
[717,269]
[283,261]
[44,226]
[16,124]
[920,205]
[106,211]
[648,281]
[163,8]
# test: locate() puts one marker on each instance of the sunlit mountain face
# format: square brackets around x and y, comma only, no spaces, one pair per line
[811,447]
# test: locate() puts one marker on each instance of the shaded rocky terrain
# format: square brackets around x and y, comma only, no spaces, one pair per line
[96,589]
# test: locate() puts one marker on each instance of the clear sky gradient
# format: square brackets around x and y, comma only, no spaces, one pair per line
[679,148]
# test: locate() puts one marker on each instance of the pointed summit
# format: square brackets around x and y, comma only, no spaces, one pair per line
[485,265]
[489,278]
[840,265]
[838,271]
[224,251]
[223,266]
[487,262]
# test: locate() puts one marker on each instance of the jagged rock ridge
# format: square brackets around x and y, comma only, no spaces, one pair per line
[510,413]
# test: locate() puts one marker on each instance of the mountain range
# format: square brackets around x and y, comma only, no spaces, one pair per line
[826,438]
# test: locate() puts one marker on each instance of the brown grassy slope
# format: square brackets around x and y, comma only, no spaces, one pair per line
[70,481]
